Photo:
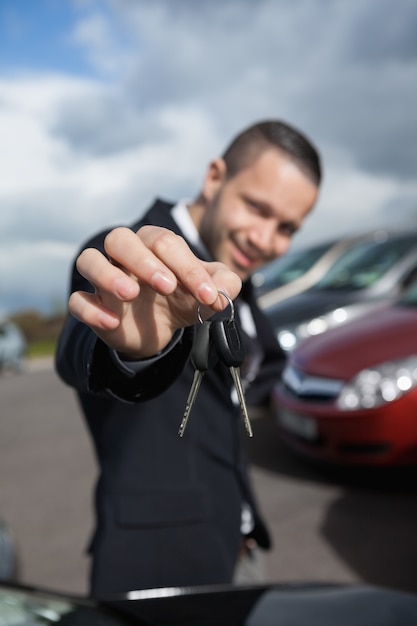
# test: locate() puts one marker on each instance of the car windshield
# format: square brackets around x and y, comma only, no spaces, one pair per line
[366,263]
[290,267]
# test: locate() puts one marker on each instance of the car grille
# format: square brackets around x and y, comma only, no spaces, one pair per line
[313,388]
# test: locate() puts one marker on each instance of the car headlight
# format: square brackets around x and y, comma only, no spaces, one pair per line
[287,339]
[379,385]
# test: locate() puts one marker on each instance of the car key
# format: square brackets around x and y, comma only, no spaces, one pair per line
[203,357]
[231,351]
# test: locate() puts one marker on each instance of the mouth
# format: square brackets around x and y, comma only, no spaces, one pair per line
[244,260]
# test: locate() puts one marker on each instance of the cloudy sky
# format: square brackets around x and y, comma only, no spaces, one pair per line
[105,104]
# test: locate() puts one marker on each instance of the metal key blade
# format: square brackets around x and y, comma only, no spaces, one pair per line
[235,372]
[230,348]
[198,377]
[203,357]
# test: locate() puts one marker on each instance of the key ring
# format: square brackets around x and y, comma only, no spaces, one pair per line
[229,300]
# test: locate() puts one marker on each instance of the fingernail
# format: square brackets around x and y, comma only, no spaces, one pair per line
[125,288]
[108,321]
[207,293]
[162,282]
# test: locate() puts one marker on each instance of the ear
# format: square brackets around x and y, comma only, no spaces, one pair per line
[214,178]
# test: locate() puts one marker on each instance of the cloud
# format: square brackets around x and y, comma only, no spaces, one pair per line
[98,36]
[355,202]
[327,66]
[34,275]
[170,84]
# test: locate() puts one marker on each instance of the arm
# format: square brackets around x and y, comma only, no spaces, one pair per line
[85,362]
[133,302]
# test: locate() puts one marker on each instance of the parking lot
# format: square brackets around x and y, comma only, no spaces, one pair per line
[327,525]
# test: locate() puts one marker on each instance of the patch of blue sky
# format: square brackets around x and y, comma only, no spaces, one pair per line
[35,36]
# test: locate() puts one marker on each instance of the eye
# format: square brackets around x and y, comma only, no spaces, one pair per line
[259,208]
[288,229]
[254,206]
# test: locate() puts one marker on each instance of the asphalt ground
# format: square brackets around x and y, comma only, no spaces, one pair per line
[327,525]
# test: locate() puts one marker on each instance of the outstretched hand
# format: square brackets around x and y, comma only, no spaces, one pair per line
[147,287]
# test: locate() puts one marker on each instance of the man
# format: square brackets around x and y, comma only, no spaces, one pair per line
[175,511]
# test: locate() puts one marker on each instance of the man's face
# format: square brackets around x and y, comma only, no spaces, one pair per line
[251,217]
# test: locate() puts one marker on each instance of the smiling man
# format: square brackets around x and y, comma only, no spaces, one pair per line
[176,511]
[247,212]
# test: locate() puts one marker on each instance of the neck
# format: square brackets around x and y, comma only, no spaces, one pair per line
[196,211]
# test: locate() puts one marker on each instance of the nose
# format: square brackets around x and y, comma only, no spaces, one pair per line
[267,240]
[281,245]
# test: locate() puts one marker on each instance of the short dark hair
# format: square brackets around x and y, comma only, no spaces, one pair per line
[249,143]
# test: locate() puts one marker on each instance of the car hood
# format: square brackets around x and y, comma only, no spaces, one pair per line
[385,335]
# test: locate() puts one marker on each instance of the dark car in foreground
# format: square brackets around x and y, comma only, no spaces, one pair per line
[282,605]
[371,274]
[349,396]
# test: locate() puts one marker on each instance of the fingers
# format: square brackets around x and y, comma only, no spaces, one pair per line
[128,250]
[105,276]
[86,308]
[103,309]
[173,251]
[154,262]
[160,259]
[226,281]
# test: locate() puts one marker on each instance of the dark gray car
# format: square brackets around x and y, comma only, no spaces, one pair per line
[370,275]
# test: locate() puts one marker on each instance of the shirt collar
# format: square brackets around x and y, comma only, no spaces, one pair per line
[182,217]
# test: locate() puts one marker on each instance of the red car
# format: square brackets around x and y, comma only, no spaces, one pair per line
[349,396]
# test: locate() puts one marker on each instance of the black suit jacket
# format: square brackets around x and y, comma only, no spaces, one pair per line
[168,509]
